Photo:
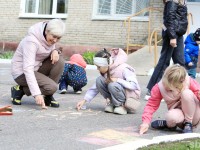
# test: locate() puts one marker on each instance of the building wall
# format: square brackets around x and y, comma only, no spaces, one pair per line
[81,30]
[12,28]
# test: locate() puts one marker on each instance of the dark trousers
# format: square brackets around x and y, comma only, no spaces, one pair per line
[167,52]
[47,77]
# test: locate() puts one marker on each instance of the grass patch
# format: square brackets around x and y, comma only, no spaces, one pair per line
[88,57]
[187,144]
[6,54]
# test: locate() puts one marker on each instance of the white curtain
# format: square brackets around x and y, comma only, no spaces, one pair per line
[45,6]
[30,6]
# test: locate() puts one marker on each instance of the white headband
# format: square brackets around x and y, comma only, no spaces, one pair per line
[102,62]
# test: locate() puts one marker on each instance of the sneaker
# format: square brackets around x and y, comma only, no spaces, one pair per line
[109,108]
[159,124]
[148,95]
[50,101]
[78,91]
[187,127]
[16,94]
[120,110]
[63,91]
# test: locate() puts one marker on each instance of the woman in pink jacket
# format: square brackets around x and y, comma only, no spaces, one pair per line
[181,94]
[36,64]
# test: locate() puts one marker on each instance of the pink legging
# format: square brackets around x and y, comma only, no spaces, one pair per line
[189,110]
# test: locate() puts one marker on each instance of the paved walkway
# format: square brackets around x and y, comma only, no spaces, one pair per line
[65,128]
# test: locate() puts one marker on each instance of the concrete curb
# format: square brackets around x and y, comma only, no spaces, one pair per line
[156,140]
[88,67]
[5,61]
[8,61]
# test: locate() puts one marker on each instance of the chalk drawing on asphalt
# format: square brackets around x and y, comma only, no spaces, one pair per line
[109,137]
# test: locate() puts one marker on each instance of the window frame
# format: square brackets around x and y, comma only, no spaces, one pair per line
[193,2]
[114,16]
[22,13]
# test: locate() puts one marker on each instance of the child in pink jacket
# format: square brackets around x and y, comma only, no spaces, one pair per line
[74,75]
[117,81]
[181,94]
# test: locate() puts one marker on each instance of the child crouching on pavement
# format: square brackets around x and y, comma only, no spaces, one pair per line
[181,94]
[74,75]
[116,83]
[191,52]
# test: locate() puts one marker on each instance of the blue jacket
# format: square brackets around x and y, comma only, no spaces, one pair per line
[191,51]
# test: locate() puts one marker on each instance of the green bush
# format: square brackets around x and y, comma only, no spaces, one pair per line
[88,57]
[6,55]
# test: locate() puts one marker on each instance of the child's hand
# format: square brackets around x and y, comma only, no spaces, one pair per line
[190,64]
[114,79]
[80,104]
[144,128]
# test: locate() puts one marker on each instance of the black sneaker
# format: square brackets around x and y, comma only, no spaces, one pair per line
[187,127]
[16,94]
[50,101]
[159,124]
[78,91]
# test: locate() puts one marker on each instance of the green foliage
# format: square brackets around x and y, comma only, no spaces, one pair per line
[187,144]
[6,55]
[88,57]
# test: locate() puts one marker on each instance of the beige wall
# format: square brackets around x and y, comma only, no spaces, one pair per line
[81,30]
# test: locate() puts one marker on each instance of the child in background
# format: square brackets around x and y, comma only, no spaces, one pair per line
[74,75]
[116,83]
[181,94]
[191,52]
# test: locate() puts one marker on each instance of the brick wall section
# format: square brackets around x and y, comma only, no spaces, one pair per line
[81,30]
[12,28]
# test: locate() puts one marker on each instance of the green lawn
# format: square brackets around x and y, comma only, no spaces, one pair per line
[188,144]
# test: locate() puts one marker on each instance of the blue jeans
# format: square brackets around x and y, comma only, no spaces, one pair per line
[167,52]
[192,72]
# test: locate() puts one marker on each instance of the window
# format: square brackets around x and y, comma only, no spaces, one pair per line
[44,8]
[119,9]
[193,0]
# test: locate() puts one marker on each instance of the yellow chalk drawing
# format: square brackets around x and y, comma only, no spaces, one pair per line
[111,134]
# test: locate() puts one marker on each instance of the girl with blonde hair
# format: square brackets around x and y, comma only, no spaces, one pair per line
[181,94]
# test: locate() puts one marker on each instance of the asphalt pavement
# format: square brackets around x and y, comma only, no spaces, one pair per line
[65,128]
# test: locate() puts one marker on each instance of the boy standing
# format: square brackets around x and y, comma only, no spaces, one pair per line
[191,52]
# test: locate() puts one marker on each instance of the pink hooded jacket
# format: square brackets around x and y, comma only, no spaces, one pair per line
[30,54]
[116,71]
